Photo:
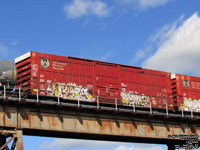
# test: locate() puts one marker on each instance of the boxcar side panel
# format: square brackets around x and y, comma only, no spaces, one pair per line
[187,92]
[142,87]
[76,78]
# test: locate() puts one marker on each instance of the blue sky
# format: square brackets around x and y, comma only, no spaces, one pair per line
[157,34]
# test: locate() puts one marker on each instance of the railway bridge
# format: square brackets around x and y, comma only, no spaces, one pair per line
[20,117]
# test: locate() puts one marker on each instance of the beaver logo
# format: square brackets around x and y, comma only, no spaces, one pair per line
[44,63]
[186,83]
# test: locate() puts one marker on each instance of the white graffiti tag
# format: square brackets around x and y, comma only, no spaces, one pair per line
[190,104]
[130,99]
[71,90]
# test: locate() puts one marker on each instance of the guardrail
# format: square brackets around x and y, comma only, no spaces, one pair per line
[16,94]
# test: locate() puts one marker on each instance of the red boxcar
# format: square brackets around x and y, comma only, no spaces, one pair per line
[83,79]
[186,91]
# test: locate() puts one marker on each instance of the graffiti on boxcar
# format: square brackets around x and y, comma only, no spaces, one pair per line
[191,104]
[130,98]
[71,90]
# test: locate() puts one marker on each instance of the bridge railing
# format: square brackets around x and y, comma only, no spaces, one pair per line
[38,95]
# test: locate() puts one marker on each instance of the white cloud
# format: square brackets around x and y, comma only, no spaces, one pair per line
[180,51]
[166,31]
[3,49]
[157,39]
[71,144]
[141,54]
[151,3]
[7,51]
[143,4]
[14,43]
[105,57]
[140,147]
[79,8]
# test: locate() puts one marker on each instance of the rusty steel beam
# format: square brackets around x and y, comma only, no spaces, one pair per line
[94,124]
[16,137]
[19,143]
[2,140]
[13,144]
[3,146]
[90,124]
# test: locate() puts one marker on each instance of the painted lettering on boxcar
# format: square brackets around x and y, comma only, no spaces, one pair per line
[59,65]
[34,69]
